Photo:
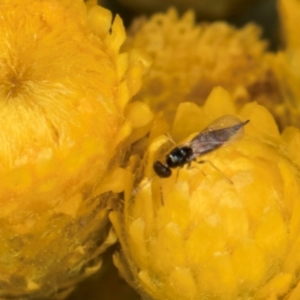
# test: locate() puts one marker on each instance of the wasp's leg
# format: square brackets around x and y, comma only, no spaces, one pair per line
[189,165]
[170,139]
[203,161]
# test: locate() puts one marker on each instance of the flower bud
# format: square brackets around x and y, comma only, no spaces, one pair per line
[226,228]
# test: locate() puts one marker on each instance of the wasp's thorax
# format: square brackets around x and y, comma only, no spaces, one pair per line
[179,156]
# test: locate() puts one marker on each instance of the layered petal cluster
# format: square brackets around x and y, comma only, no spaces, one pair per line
[64,87]
[228,228]
[191,59]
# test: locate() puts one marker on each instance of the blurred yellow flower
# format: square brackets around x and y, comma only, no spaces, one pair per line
[64,88]
[190,59]
[286,64]
[289,12]
[225,229]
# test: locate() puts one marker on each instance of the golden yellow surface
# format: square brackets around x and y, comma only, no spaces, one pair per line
[64,86]
[71,144]
[225,229]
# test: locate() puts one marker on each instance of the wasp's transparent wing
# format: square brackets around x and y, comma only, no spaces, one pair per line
[224,130]
[222,122]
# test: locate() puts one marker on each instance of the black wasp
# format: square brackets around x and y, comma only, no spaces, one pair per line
[222,131]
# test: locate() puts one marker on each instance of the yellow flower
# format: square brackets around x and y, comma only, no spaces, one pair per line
[224,229]
[64,86]
[289,12]
[286,64]
[190,60]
